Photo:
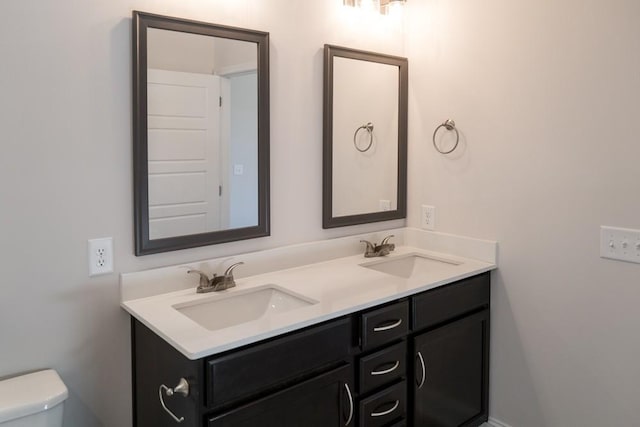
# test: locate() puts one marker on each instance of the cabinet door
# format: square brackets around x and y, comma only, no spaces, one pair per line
[451,373]
[323,401]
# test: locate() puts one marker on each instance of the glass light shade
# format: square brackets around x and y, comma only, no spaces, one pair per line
[391,7]
[385,7]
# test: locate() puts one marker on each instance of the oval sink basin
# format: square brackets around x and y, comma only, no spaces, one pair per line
[411,265]
[227,309]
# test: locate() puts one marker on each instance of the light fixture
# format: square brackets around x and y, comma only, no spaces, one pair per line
[382,6]
[388,6]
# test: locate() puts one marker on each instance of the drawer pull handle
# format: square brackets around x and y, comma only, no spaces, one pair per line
[388,327]
[387,371]
[387,412]
[424,371]
[346,386]
[182,388]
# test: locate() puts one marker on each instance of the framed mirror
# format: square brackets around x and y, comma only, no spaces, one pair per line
[200,133]
[364,137]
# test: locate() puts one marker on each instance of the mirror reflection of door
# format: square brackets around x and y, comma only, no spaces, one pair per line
[202,133]
[184,153]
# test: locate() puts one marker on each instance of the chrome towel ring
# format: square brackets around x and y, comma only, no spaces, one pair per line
[182,388]
[369,128]
[448,125]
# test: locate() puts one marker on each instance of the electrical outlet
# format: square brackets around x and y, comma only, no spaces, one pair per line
[385,205]
[622,244]
[428,217]
[100,256]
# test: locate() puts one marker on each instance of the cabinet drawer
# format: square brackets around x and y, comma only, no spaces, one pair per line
[384,407]
[384,325]
[323,401]
[247,372]
[383,367]
[441,304]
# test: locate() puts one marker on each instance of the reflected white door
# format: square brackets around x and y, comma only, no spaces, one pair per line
[184,153]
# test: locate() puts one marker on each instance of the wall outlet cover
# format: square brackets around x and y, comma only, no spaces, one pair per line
[100,256]
[622,244]
[428,217]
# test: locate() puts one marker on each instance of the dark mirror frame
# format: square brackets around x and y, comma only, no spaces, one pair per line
[328,220]
[143,245]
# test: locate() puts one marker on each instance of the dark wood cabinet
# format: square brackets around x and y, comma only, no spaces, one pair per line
[324,401]
[303,367]
[451,373]
[247,372]
[449,302]
[384,407]
[419,361]
[382,367]
[155,362]
[383,325]
[450,354]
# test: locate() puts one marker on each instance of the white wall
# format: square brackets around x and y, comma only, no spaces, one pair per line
[196,53]
[66,172]
[185,52]
[243,150]
[233,56]
[546,96]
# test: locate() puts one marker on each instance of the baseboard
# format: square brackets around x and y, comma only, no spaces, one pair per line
[497,423]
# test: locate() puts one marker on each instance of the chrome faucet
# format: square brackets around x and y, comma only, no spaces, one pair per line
[216,283]
[384,248]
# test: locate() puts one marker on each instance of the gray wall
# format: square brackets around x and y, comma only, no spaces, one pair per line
[545,94]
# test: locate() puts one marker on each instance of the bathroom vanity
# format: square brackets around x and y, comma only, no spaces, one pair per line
[398,341]
[421,360]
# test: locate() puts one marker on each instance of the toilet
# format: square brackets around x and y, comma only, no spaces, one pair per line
[32,400]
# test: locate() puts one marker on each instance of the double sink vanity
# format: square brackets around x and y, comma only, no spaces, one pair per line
[343,341]
[333,333]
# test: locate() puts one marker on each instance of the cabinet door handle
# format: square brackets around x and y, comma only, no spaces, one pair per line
[424,370]
[388,327]
[387,412]
[387,371]
[346,387]
[182,388]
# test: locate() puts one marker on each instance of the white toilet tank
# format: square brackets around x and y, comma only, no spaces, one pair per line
[32,400]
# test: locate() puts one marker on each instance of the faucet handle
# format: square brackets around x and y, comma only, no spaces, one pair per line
[370,249]
[229,270]
[368,243]
[386,239]
[204,279]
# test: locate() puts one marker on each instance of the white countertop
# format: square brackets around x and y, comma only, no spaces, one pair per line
[340,286]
